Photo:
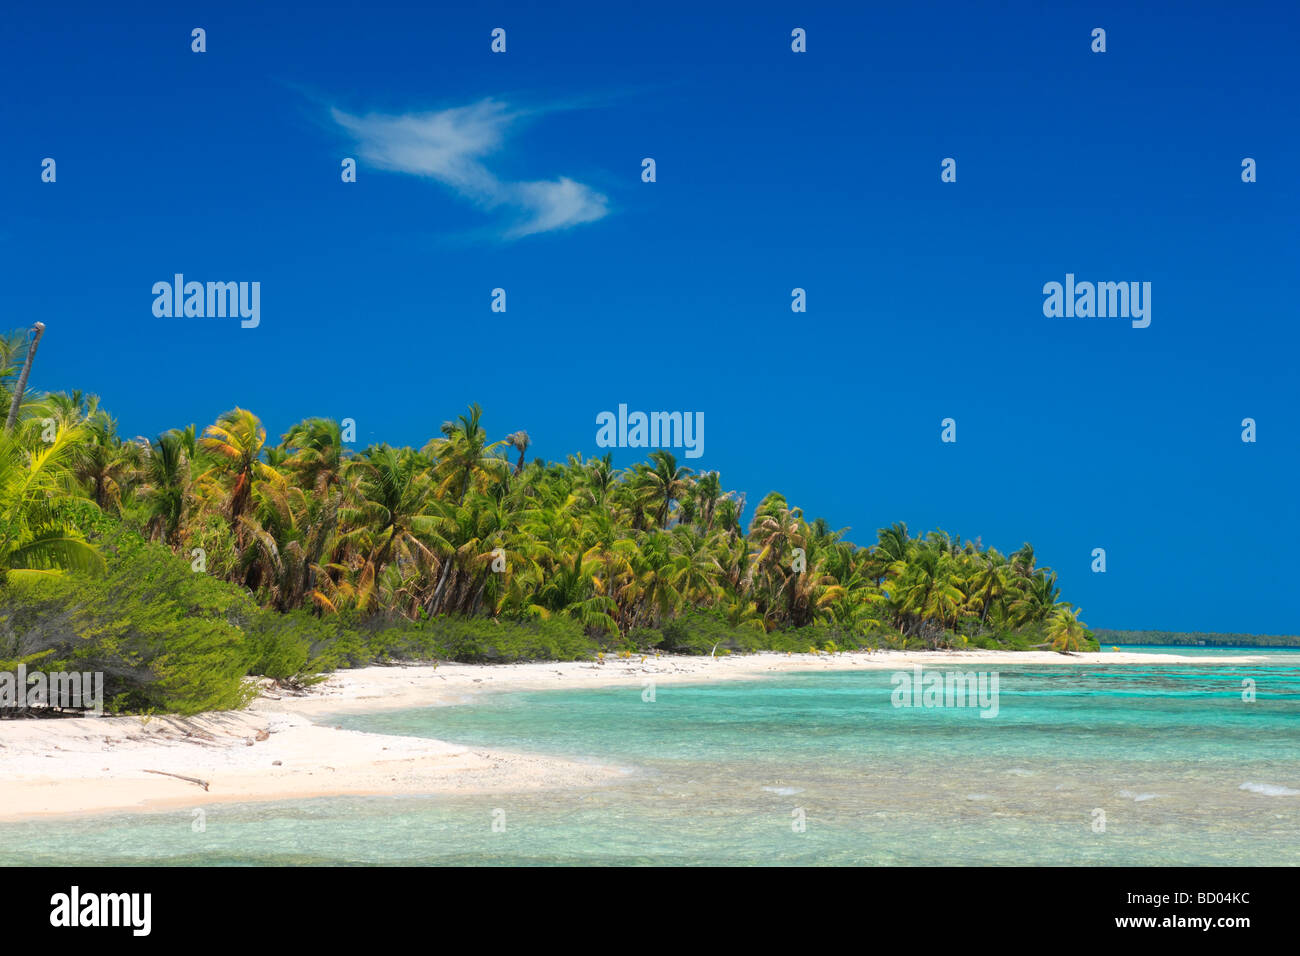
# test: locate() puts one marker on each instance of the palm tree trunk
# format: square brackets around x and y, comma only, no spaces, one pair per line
[478,592]
[39,329]
[442,583]
[988,602]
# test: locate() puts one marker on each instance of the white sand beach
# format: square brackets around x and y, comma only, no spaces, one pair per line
[283,747]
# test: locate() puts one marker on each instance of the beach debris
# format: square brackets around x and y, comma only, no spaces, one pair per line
[263,735]
[201,783]
[277,763]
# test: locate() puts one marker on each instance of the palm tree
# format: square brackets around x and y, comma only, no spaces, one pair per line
[1065,632]
[567,590]
[706,491]
[775,532]
[695,568]
[662,484]
[165,486]
[520,442]
[29,355]
[317,454]
[990,582]
[609,552]
[923,591]
[387,513]
[36,537]
[598,479]
[236,441]
[105,462]
[1034,598]
[13,353]
[318,460]
[651,593]
[891,548]
[463,453]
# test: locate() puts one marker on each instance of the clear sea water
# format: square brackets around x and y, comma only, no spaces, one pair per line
[1183,770]
[1273,653]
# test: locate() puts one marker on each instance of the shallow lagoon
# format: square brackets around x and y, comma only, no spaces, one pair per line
[805,769]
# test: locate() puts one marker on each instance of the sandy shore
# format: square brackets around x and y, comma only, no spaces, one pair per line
[282,747]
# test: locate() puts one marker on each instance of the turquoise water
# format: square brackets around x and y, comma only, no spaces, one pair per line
[1272,653]
[724,773]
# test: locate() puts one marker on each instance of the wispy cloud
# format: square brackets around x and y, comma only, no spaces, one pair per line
[450,146]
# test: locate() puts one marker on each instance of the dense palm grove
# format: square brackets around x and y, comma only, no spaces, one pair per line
[466,527]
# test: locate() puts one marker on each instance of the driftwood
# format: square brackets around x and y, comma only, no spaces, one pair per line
[201,783]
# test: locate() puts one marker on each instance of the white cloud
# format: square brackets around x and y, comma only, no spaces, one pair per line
[449,146]
[556,205]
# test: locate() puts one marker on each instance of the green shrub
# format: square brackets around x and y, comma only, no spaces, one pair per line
[280,647]
[165,638]
[484,640]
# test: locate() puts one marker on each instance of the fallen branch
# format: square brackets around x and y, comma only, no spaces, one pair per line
[201,783]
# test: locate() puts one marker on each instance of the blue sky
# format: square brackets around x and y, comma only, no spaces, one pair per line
[775,170]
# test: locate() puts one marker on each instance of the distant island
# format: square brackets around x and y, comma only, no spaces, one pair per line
[1194,639]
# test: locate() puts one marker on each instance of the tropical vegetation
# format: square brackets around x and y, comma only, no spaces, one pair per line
[308,553]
